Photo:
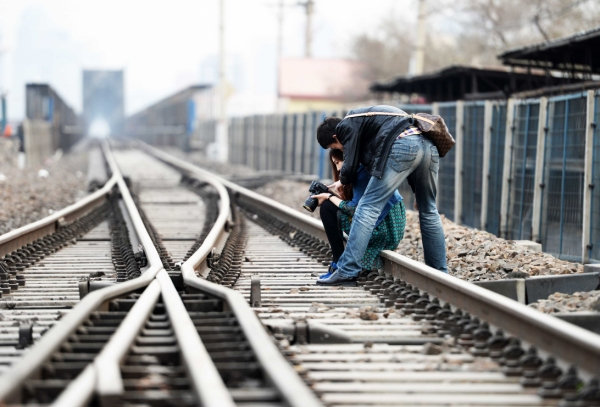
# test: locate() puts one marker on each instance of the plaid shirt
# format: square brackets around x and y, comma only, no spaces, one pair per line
[410,131]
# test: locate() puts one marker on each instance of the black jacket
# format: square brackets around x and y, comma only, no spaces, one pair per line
[367,140]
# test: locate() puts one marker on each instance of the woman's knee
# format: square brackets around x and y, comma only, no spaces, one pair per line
[327,210]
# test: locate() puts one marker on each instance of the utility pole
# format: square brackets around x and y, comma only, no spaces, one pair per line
[279,43]
[309,6]
[278,106]
[2,112]
[279,30]
[221,136]
[2,93]
[419,55]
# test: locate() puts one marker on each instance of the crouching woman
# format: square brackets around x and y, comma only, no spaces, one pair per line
[337,212]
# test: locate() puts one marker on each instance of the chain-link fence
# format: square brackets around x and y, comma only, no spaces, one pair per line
[564,161]
[446,181]
[472,164]
[496,167]
[593,248]
[523,160]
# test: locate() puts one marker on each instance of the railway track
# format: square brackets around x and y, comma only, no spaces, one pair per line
[182,331]
[390,341]
[46,261]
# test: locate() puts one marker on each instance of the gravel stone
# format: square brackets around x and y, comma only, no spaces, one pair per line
[577,302]
[26,197]
[476,255]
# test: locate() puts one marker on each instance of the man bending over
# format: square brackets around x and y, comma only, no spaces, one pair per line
[384,140]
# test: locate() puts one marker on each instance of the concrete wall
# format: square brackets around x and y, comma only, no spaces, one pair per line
[38,139]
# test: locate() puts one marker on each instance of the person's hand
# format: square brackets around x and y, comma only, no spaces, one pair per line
[415,205]
[321,197]
[336,188]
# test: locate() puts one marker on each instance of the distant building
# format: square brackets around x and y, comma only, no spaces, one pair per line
[185,118]
[309,84]
[44,104]
[103,99]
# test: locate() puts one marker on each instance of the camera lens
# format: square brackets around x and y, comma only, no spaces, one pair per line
[310,204]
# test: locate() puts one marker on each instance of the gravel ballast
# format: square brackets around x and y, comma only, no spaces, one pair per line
[577,302]
[33,193]
[476,255]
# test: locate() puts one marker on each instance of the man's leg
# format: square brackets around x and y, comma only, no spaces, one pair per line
[424,179]
[404,158]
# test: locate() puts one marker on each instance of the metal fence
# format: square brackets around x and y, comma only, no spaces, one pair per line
[446,174]
[521,169]
[495,167]
[592,245]
[472,164]
[564,160]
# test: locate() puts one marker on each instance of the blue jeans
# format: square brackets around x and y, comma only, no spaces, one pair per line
[416,158]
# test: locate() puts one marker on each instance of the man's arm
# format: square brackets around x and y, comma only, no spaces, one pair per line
[351,144]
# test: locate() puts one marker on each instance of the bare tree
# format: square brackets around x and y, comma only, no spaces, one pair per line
[515,22]
[487,28]
[385,54]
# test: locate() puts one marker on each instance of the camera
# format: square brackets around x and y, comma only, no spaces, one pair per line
[315,188]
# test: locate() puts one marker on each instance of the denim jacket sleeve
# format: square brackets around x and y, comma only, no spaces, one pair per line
[358,190]
[350,139]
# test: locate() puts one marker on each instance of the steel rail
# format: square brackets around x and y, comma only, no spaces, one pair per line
[80,395]
[295,218]
[138,224]
[206,382]
[560,338]
[291,387]
[108,382]
[570,342]
[280,373]
[17,238]
[203,374]
[33,360]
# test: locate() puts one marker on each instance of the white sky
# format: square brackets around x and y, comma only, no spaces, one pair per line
[164,46]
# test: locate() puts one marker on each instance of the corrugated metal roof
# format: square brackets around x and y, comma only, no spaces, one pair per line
[575,53]
[593,34]
[470,82]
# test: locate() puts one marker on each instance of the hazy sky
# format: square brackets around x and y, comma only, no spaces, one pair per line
[164,46]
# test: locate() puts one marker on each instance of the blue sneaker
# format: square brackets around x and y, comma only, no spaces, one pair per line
[337,280]
[332,268]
